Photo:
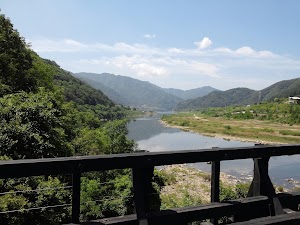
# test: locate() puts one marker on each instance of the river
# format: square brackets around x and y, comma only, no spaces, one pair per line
[152,136]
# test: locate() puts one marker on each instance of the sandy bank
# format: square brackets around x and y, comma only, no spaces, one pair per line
[223,136]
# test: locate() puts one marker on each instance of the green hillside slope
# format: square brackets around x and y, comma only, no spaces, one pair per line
[243,96]
[192,93]
[133,92]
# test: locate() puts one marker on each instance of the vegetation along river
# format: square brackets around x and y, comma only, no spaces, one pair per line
[151,135]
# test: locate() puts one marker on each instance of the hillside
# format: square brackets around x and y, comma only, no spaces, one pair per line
[192,93]
[243,96]
[217,99]
[281,89]
[75,90]
[113,95]
[131,91]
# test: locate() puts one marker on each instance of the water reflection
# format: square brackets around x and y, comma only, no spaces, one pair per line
[151,135]
[146,128]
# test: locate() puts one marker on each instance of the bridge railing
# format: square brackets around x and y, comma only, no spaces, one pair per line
[142,165]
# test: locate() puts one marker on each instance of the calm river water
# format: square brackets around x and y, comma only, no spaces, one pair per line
[151,135]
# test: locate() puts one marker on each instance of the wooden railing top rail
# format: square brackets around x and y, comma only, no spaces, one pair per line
[69,165]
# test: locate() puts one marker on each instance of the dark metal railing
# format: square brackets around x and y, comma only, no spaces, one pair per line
[142,165]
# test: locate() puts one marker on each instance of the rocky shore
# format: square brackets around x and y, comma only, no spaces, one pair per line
[193,182]
[185,182]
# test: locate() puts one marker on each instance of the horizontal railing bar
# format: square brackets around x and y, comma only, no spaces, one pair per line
[67,165]
[189,214]
[285,219]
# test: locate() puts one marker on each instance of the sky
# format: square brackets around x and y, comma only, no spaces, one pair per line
[171,43]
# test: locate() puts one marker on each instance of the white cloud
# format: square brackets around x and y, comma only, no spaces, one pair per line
[74,43]
[204,43]
[205,68]
[150,36]
[249,52]
[189,66]
[175,50]
[136,65]
[245,51]
[223,50]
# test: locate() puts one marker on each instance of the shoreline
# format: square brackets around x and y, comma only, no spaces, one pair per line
[197,183]
[223,136]
[231,178]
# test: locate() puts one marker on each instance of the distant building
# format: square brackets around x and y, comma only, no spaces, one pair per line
[294,100]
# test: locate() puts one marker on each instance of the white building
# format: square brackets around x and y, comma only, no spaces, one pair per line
[294,100]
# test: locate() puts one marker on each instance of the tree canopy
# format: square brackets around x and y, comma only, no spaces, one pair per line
[45,112]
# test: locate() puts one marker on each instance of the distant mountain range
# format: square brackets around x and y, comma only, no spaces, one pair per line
[141,94]
[189,94]
[243,96]
[144,95]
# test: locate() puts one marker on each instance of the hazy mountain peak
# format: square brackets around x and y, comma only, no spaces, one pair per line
[133,92]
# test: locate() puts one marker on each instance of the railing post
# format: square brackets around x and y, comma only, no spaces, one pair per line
[262,185]
[215,181]
[141,179]
[76,197]
[215,185]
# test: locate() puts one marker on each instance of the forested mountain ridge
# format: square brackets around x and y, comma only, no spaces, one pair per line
[217,99]
[243,96]
[192,93]
[75,90]
[281,89]
[113,95]
[134,92]
[142,94]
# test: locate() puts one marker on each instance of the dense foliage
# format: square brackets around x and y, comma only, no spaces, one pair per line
[15,60]
[32,126]
[45,112]
[77,91]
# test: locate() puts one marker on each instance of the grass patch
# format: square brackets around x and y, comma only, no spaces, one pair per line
[168,178]
[267,131]
[181,198]
[289,132]
[227,127]
[184,123]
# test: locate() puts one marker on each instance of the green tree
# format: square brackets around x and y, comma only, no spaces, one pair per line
[41,117]
[34,200]
[15,59]
[32,126]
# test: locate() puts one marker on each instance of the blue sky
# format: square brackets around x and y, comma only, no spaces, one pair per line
[179,44]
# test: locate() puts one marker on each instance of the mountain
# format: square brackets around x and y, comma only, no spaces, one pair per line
[113,95]
[282,89]
[130,91]
[243,96]
[75,90]
[192,93]
[217,99]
